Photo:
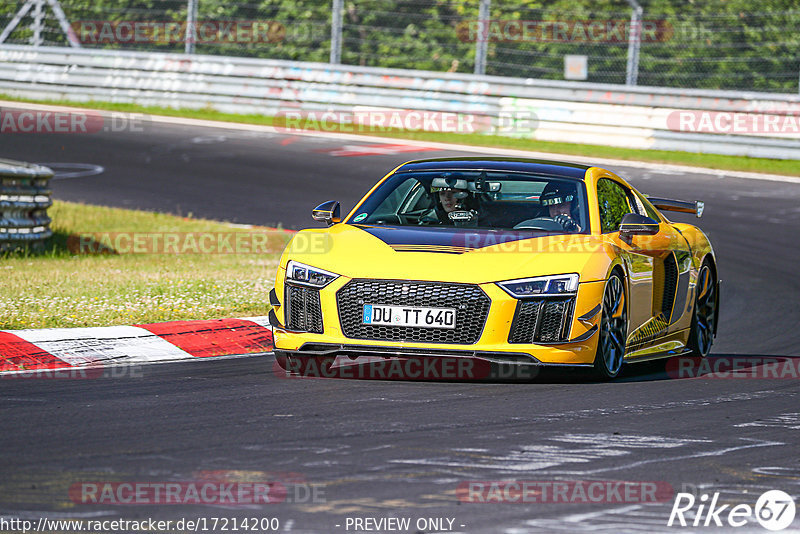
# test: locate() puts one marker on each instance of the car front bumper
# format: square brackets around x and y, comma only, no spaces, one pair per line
[577,348]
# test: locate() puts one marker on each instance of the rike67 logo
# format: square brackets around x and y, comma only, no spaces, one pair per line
[774,510]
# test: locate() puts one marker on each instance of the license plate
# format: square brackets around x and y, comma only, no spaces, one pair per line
[379,314]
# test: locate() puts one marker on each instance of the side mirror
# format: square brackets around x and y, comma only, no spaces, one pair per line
[635,224]
[327,212]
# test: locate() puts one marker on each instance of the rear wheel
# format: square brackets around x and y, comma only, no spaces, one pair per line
[704,317]
[613,329]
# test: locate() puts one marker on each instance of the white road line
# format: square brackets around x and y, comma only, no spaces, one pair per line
[530,458]
[691,456]
[628,441]
[785,420]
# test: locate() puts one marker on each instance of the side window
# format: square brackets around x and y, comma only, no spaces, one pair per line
[613,203]
[417,199]
[390,205]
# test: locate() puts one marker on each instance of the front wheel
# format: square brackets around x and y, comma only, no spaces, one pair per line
[613,329]
[704,317]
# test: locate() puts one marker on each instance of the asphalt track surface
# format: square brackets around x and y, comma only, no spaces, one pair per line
[379,448]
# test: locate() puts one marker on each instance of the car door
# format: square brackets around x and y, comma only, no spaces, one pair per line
[673,269]
[653,264]
[614,203]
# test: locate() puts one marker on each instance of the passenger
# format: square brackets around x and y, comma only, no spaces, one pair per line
[454,205]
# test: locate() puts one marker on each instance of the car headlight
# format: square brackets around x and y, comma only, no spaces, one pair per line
[300,273]
[561,284]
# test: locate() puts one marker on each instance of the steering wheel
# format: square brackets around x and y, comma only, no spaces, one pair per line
[548,224]
[412,217]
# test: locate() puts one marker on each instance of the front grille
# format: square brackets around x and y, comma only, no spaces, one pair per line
[469,301]
[542,320]
[303,310]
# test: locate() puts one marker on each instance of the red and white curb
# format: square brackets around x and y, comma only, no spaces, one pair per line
[58,348]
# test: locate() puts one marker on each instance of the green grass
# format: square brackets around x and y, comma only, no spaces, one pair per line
[732,163]
[64,286]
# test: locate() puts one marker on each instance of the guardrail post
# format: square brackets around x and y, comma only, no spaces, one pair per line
[72,39]
[191,26]
[37,26]
[23,208]
[336,32]
[38,22]
[482,41]
[634,43]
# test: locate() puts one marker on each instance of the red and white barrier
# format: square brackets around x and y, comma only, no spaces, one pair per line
[56,348]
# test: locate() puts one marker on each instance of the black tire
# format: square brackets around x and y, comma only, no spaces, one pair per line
[613,329]
[704,315]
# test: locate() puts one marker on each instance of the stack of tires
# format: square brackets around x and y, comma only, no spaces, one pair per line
[24,199]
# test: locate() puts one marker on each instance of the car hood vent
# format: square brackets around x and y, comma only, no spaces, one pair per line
[444,237]
[431,248]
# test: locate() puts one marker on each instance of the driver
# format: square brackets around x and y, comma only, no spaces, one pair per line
[560,200]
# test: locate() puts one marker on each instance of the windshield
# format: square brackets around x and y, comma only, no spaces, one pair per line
[478,199]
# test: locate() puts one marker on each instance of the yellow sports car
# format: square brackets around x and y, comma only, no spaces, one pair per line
[536,263]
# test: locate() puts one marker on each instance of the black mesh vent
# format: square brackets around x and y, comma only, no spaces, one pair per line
[542,320]
[469,301]
[670,284]
[303,310]
[649,330]
[524,326]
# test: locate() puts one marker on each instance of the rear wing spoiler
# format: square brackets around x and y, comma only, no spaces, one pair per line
[681,206]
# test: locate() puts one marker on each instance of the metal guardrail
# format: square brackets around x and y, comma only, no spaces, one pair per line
[613,115]
[24,199]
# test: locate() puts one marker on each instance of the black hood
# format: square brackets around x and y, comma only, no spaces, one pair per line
[465,238]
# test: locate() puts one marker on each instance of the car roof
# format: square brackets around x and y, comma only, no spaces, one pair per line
[558,168]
